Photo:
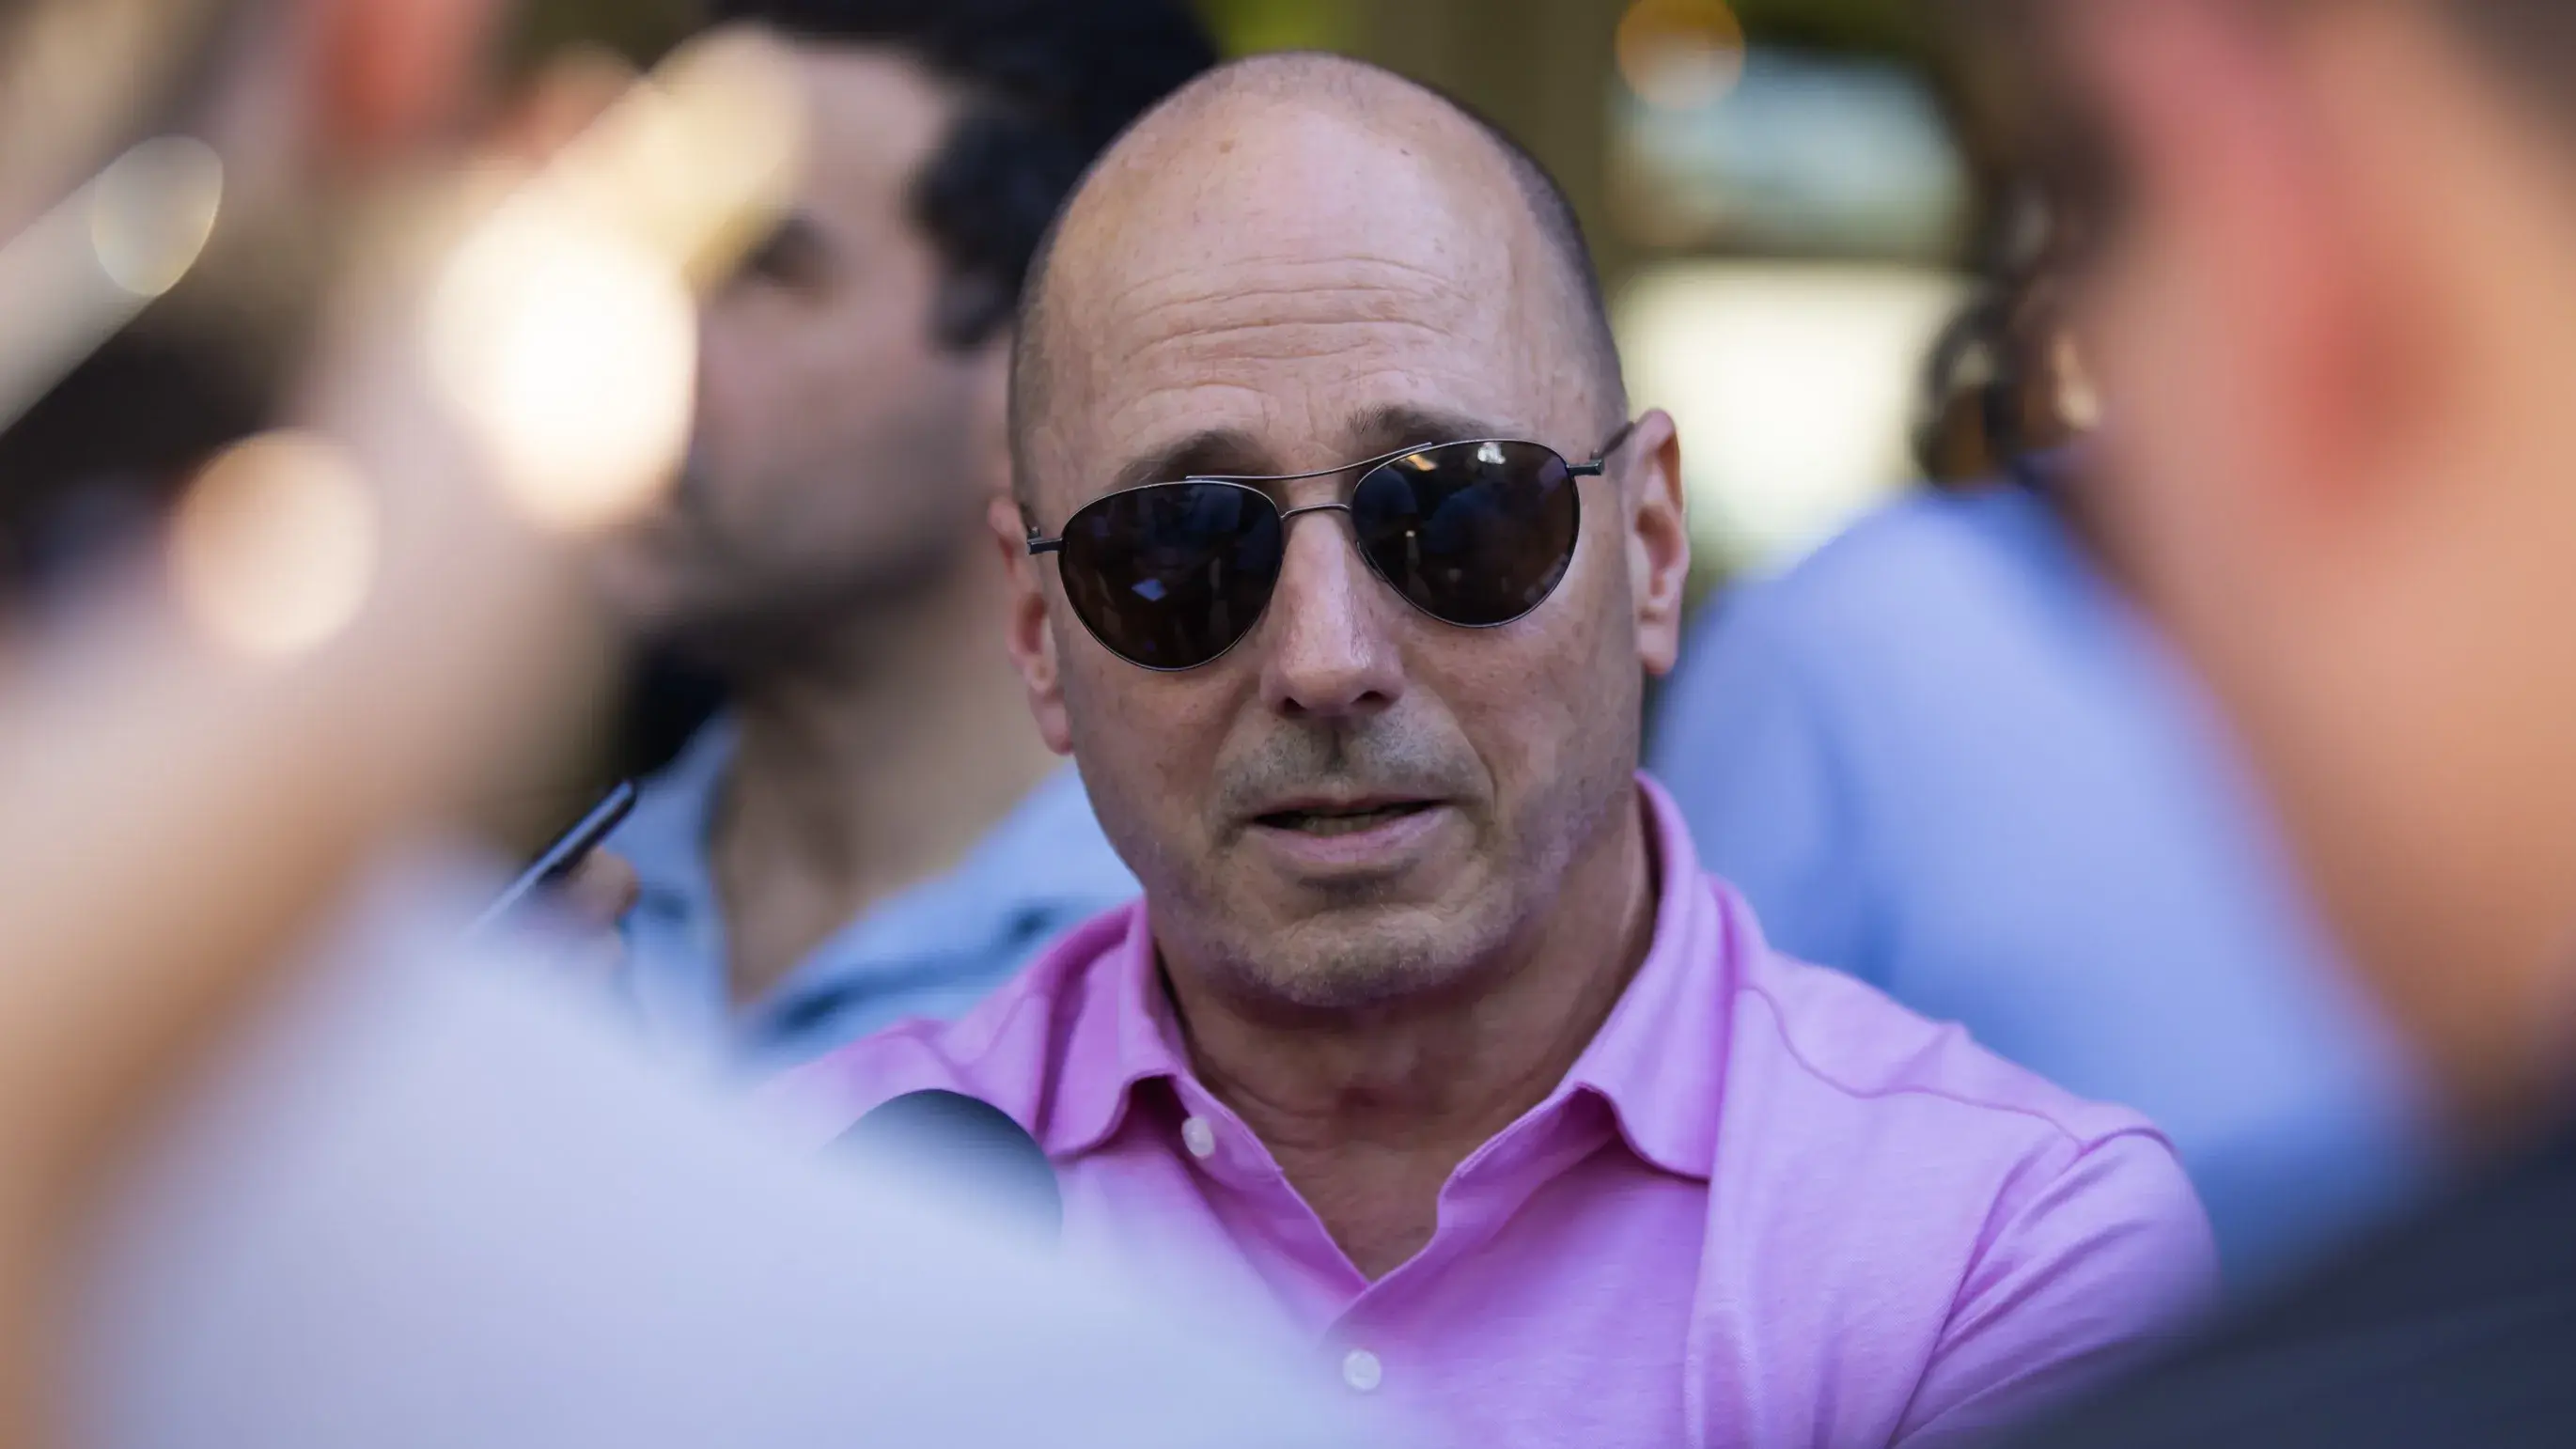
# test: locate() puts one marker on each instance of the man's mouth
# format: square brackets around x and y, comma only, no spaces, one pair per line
[1334,820]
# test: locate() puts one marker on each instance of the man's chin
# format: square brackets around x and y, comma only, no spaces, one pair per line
[1363,955]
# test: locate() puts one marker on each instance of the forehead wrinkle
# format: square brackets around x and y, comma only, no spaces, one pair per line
[1376,399]
[1227,345]
[1425,279]
[1278,313]
[1344,299]
[1254,343]
[1143,267]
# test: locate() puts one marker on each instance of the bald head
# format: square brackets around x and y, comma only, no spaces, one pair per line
[1296,174]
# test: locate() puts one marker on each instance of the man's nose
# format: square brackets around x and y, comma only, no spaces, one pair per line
[1331,649]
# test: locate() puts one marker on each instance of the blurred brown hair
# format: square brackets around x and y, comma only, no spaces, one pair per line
[1993,388]
[2052,188]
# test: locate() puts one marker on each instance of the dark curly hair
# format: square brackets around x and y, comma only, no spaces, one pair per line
[1991,384]
[1048,85]
[2056,193]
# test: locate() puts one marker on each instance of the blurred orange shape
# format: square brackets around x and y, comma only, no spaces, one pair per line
[1680,55]
[274,547]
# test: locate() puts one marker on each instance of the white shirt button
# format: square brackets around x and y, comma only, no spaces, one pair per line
[1198,1137]
[1362,1371]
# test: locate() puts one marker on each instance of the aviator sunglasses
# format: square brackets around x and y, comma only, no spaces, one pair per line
[1170,576]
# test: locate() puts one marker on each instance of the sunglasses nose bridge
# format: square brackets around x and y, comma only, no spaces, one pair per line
[1328,649]
[1351,535]
[1288,536]
[1286,514]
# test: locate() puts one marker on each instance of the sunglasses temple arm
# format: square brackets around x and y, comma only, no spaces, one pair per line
[1600,464]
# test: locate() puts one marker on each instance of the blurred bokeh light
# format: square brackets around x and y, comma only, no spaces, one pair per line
[274,547]
[1794,387]
[1680,55]
[571,352]
[564,330]
[1802,155]
[151,213]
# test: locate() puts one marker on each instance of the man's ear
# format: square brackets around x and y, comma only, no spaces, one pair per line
[1649,470]
[391,75]
[1027,631]
[989,455]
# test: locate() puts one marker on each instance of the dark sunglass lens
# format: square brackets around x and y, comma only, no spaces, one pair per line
[1173,575]
[1472,533]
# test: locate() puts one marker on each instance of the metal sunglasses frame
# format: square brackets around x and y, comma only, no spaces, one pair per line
[1598,467]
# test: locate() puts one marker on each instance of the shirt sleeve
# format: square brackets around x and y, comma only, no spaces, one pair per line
[2102,1263]
[1749,750]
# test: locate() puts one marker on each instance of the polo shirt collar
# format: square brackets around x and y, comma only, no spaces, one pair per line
[1124,1032]
[1025,854]
[664,838]
[1040,864]
[1658,1061]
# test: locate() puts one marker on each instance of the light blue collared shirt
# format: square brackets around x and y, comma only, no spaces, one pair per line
[932,950]
[1942,754]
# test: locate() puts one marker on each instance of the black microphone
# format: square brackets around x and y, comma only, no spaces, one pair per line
[967,1144]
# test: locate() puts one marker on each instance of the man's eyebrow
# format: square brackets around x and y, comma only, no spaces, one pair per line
[1202,454]
[1233,453]
[1400,425]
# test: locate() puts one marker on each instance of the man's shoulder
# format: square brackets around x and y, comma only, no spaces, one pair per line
[1852,1040]
[1836,1092]
[2015,1235]
[1007,1051]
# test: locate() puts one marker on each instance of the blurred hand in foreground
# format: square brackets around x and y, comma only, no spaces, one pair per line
[364,614]
[592,900]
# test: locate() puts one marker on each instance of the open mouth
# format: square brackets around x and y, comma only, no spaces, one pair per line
[1325,822]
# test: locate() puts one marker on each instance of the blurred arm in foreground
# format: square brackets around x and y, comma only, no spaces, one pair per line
[192,774]
[359,619]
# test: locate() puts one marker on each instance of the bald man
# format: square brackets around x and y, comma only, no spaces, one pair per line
[1338,570]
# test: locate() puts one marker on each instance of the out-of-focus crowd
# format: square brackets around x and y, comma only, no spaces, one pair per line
[1144,577]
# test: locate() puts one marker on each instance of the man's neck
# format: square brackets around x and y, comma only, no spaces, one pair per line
[1369,1112]
[875,762]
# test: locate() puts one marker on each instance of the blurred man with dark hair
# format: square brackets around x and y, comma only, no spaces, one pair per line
[873,830]
[2326,290]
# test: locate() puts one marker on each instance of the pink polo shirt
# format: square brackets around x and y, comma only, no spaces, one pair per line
[1767,1207]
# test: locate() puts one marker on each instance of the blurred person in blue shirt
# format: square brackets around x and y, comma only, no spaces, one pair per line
[1946,754]
[871,829]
